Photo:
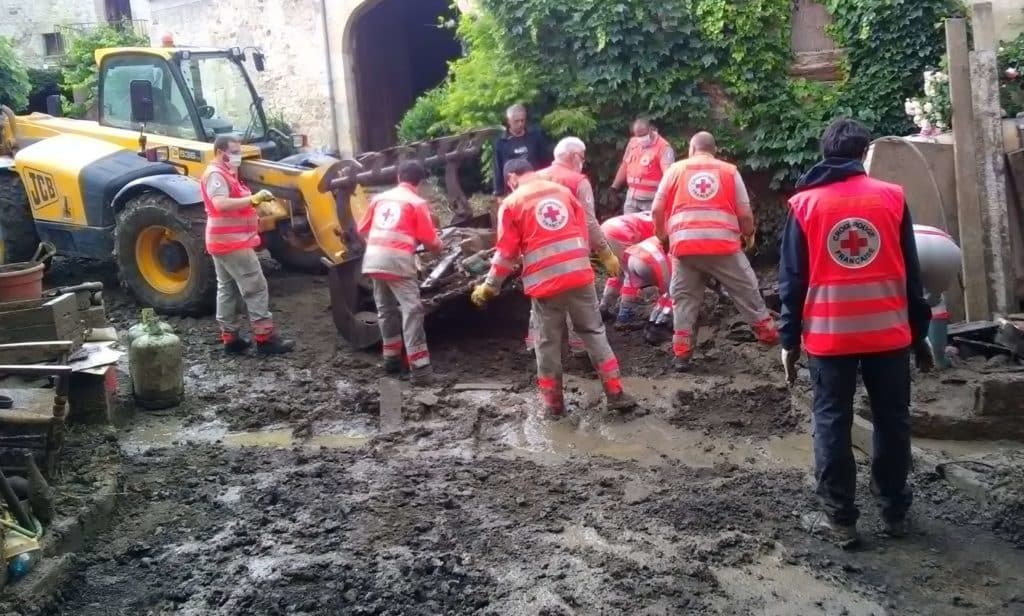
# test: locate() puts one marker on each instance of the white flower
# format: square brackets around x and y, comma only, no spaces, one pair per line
[909,107]
[1012,73]
[940,125]
[929,89]
[928,107]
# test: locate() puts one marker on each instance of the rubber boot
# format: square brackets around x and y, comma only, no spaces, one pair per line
[553,397]
[766,332]
[235,344]
[681,363]
[392,365]
[274,345]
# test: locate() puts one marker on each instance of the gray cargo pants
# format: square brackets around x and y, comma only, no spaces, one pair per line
[688,279]
[242,287]
[634,205]
[400,317]
[580,305]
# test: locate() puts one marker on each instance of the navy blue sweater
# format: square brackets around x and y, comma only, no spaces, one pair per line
[794,271]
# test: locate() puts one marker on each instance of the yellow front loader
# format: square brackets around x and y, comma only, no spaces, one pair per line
[127,183]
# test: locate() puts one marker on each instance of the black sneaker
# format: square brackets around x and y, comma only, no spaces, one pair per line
[392,365]
[275,346]
[423,377]
[681,364]
[818,523]
[237,346]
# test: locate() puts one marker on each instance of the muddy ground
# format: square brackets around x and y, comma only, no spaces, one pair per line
[279,487]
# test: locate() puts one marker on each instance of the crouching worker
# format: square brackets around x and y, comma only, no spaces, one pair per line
[622,232]
[647,265]
[232,236]
[396,222]
[545,224]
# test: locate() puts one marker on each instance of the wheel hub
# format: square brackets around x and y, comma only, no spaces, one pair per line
[172,256]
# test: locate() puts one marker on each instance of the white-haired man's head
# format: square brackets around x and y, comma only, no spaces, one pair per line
[571,152]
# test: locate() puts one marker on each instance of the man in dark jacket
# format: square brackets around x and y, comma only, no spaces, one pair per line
[850,286]
[530,144]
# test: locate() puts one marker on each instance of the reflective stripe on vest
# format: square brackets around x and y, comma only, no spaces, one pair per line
[232,230]
[857,289]
[390,243]
[703,217]
[550,272]
[629,229]
[573,244]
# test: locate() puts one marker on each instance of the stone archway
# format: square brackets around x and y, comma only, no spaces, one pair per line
[394,51]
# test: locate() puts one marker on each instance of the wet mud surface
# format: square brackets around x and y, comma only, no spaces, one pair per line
[281,487]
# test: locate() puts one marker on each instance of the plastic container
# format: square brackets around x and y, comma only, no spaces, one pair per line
[156,365]
[938,333]
[20,565]
[20,281]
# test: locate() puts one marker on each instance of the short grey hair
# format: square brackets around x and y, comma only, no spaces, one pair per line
[568,146]
[514,108]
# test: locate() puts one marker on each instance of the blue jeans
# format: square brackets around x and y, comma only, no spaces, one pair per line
[887,380]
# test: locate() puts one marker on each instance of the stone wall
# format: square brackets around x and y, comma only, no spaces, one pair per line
[26,21]
[1009,17]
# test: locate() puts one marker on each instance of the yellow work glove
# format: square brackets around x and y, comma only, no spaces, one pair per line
[749,241]
[482,294]
[610,263]
[261,197]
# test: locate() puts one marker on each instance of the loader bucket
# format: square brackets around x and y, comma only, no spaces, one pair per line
[353,316]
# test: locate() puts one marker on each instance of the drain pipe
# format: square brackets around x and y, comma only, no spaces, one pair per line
[330,80]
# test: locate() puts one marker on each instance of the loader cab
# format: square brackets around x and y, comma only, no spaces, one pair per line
[198,94]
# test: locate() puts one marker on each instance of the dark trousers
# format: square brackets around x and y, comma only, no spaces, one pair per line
[887,380]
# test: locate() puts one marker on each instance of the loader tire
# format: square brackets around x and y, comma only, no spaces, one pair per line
[18,237]
[295,252]
[161,255]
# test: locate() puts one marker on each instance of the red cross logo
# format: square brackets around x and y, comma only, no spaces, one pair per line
[853,243]
[703,186]
[551,214]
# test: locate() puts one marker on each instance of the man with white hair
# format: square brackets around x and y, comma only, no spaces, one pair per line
[519,142]
[567,170]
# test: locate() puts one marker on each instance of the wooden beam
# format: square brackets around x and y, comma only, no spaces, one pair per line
[971,225]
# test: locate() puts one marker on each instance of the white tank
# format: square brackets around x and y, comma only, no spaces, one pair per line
[940,258]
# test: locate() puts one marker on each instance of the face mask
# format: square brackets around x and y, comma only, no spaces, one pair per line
[235,160]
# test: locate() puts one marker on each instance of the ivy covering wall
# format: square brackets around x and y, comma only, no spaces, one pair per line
[587,67]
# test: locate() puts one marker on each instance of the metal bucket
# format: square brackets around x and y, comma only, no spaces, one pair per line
[20,281]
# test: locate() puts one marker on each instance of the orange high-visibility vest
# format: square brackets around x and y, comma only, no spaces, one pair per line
[702,219]
[628,229]
[643,167]
[234,230]
[857,289]
[552,239]
[565,176]
[391,241]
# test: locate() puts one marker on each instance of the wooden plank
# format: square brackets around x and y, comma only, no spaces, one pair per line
[33,352]
[971,225]
[36,370]
[21,305]
[390,404]
[481,386]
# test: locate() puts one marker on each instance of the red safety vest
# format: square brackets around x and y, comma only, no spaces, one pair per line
[565,176]
[652,255]
[857,289]
[643,167]
[229,231]
[391,241]
[553,239]
[628,229]
[702,219]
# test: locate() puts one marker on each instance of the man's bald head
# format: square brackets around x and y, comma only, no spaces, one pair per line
[703,143]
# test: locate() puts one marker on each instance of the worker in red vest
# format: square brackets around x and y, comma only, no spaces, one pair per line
[232,236]
[621,232]
[567,170]
[702,212]
[648,156]
[850,286]
[544,224]
[647,265]
[397,221]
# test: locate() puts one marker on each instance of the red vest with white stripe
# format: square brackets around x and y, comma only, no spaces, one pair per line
[643,167]
[650,253]
[553,239]
[229,231]
[857,289]
[702,219]
[629,229]
[391,242]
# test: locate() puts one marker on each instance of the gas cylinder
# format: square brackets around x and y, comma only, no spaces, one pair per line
[140,328]
[939,256]
[156,365]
